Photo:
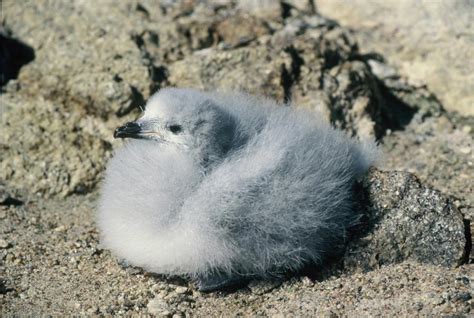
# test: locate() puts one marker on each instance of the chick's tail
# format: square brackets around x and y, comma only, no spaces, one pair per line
[366,154]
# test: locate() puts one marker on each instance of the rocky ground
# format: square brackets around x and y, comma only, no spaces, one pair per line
[428,41]
[72,71]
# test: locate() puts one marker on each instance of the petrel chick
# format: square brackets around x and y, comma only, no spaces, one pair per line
[224,187]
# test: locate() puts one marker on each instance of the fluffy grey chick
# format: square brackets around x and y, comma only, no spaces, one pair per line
[219,187]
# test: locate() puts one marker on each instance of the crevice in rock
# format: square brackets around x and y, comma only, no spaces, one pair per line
[312,6]
[7,199]
[4,288]
[401,102]
[357,56]
[138,40]
[468,247]
[136,101]
[285,10]
[296,63]
[291,76]
[141,9]
[396,114]
[331,58]
[11,201]
[286,83]
[158,74]
[13,55]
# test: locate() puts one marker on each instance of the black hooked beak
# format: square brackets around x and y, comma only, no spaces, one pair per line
[129,130]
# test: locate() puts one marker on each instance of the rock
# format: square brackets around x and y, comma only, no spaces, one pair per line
[246,69]
[430,41]
[87,75]
[79,60]
[405,221]
[181,290]
[4,244]
[159,307]
[432,151]
[60,152]
[309,61]
[462,296]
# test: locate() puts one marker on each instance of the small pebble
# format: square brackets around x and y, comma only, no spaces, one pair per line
[465,150]
[462,296]
[467,129]
[4,244]
[158,306]
[307,281]
[181,290]
[438,301]
[93,310]
[60,228]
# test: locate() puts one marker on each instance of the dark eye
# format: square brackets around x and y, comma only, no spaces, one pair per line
[175,128]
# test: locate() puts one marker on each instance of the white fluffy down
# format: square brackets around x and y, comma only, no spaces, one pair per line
[277,200]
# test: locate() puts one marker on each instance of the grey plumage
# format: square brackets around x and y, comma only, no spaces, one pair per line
[228,185]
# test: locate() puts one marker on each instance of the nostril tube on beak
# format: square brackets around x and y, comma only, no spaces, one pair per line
[130,129]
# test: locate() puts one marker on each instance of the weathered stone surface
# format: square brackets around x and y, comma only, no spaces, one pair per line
[405,221]
[430,42]
[247,69]
[80,59]
[440,152]
[49,149]
[309,61]
[97,62]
